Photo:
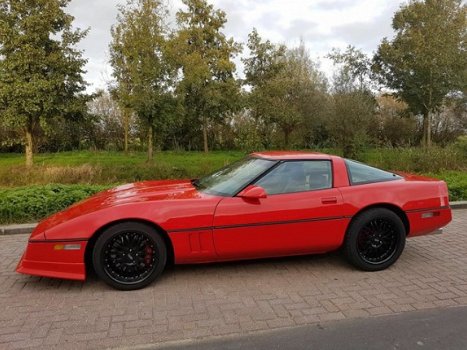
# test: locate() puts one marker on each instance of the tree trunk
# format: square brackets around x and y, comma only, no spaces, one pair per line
[286,138]
[205,135]
[426,140]
[29,147]
[126,122]
[150,143]
[428,130]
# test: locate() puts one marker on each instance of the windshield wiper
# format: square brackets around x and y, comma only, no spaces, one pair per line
[195,182]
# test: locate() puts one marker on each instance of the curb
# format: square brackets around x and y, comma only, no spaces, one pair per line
[17,229]
[28,228]
[458,205]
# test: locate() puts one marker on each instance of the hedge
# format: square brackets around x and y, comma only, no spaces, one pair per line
[33,203]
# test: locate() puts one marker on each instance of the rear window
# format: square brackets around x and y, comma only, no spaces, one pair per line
[363,174]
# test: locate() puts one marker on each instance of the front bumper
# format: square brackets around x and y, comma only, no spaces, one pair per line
[52,259]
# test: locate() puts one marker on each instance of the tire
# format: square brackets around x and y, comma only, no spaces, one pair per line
[129,255]
[375,239]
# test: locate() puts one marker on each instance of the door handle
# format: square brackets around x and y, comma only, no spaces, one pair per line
[329,200]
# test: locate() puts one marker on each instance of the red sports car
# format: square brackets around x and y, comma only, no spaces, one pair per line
[267,205]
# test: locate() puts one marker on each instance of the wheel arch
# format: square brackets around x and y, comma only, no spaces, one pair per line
[394,208]
[98,232]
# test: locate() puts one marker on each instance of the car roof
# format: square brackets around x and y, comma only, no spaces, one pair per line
[291,155]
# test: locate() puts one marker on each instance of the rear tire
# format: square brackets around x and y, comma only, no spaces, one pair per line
[129,255]
[375,239]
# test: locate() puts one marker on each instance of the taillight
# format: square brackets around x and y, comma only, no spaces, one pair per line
[443,194]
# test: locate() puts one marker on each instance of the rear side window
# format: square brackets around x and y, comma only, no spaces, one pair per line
[363,174]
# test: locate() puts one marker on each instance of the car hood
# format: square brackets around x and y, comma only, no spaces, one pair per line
[125,194]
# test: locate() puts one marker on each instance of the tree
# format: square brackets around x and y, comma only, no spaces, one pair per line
[265,62]
[353,102]
[208,87]
[40,69]
[286,87]
[450,121]
[396,126]
[109,122]
[426,60]
[141,70]
[294,93]
[126,114]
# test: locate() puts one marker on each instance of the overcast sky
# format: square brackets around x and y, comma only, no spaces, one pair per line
[322,24]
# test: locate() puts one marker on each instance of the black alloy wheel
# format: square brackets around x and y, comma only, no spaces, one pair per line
[375,239]
[129,255]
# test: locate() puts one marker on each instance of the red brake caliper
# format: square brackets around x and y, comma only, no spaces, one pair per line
[148,257]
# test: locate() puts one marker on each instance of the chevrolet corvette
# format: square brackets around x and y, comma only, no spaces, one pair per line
[269,204]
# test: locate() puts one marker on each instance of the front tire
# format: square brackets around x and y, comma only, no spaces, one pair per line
[129,255]
[375,239]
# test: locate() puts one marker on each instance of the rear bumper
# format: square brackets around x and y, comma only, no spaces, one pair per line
[51,259]
[428,221]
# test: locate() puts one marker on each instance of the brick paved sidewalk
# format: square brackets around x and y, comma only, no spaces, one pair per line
[202,301]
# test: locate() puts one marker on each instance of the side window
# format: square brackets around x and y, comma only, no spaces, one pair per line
[362,174]
[298,176]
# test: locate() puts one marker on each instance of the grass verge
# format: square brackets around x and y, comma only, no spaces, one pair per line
[27,195]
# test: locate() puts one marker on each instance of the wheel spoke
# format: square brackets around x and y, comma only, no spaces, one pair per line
[377,241]
[129,257]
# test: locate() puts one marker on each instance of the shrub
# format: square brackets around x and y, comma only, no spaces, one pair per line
[461,145]
[28,204]
[417,160]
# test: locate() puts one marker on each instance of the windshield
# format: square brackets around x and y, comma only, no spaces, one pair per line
[229,180]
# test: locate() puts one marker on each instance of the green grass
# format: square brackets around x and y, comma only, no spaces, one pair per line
[74,158]
[108,167]
[28,194]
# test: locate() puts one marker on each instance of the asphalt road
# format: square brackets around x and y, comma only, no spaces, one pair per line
[427,329]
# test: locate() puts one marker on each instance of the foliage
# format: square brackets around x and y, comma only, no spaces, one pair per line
[40,70]
[29,204]
[208,88]
[264,64]
[175,86]
[116,167]
[287,89]
[425,61]
[457,183]
[450,121]
[26,204]
[416,160]
[294,96]
[461,146]
[109,167]
[247,133]
[141,69]
[395,126]
[108,129]
[354,105]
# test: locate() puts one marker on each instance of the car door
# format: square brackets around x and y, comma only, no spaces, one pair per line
[301,214]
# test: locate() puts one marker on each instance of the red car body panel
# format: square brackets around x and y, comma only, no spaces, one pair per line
[289,224]
[206,228]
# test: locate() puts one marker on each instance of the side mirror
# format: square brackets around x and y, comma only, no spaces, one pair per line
[253,192]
